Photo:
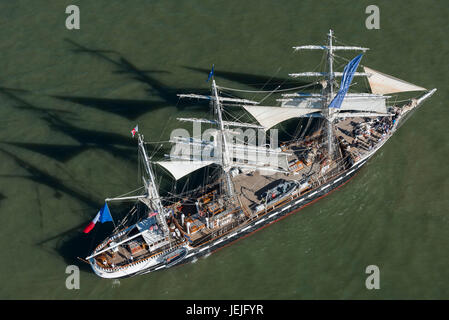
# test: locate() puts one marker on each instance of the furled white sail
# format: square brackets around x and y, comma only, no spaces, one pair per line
[357,102]
[258,157]
[306,102]
[270,116]
[362,114]
[222,99]
[314,47]
[352,101]
[381,83]
[179,169]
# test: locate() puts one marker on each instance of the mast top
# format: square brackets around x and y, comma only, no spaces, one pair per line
[329,47]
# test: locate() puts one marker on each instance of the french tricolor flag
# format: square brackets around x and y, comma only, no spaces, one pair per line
[135,130]
[103,216]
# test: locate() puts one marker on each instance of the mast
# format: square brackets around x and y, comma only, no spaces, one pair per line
[224,149]
[229,153]
[328,95]
[330,85]
[153,199]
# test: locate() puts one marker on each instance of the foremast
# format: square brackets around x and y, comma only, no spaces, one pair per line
[328,88]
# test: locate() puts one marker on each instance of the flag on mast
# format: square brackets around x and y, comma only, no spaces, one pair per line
[104,215]
[211,73]
[135,130]
[348,74]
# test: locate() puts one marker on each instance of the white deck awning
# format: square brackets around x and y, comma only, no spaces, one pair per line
[181,168]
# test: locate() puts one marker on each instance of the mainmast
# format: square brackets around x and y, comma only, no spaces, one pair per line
[229,148]
[330,85]
[224,144]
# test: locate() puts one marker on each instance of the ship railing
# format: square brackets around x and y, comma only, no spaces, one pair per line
[222,231]
[144,258]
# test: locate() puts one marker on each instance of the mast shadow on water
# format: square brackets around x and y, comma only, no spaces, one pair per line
[39,176]
[255,81]
[132,109]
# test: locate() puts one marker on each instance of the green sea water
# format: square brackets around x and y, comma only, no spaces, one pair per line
[69,98]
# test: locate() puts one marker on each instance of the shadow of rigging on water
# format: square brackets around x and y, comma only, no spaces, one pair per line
[126,108]
[71,243]
[132,109]
[260,82]
[59,152]
[74,245]
[21,103]
[115,144]
[39,176]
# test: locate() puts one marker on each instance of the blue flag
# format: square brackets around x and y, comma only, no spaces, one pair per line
[105,215]
[211,73]
[346,79]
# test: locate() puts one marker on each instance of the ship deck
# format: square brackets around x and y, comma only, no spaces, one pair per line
[355,136]
[213,216]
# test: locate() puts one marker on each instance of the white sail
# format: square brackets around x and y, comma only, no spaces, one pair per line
[315,47]
[357,102]
[179,169]
[381,83]
[270,116]
[240,156]
[304,103]
[226,123]
[225,99]
[362,114]
[326,74]
[258,157]
[352,101]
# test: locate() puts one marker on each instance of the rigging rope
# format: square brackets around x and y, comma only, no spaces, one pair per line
[282,90]
[129,192]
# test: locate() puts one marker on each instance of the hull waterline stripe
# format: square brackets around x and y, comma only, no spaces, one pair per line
[273,214]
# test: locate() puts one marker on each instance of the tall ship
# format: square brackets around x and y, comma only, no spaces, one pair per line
[258,180]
